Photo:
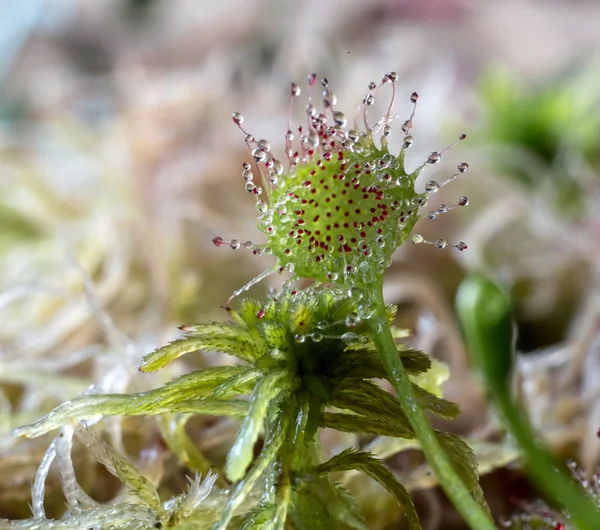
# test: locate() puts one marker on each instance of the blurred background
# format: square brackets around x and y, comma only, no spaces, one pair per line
[119,163]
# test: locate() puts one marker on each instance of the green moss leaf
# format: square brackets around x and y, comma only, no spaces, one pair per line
[241,345]
[308,510]
[357,424]
[260,517]
[91,407]
[438,406]
[465,462]
[339,501]
[241,453]
[374,468]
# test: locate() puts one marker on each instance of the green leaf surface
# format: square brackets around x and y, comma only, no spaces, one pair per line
[241,453]
[374,468]
[308,510]
[241,345]
[363,425]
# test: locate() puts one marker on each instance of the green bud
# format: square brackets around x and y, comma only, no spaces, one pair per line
[485,313]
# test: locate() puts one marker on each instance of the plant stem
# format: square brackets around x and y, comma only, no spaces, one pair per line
[545,472]
[485,312]
[472,512]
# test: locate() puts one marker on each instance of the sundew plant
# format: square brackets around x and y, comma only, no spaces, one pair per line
[344,205]
[310,358]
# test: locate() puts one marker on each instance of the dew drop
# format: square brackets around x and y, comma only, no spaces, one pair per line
[353,135]
[464,201]
[434,158]
[246,166]
[355,293]
[247,175]
[372,85]
[403,182]
[299,338]
[249,138]
[259,155]
[235,244]
[250,186]
[369,100]
[352,320]
[417,238]
[322,324]
[432,186]
[333,276]
[264,145]
[350,337]
[289,135]
[441,244]
[290,267]
[408,141]
[364,312]
[462,167]
[461,246]
[316,336]
[294,90]
[238,118]
[277,167]
[387,130]
[340,119]
[414,97]
[407,126]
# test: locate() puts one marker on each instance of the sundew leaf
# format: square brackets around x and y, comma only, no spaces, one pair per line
[374,468]
[241,453]
[465,462]
[242,346]
[308,510]
[95,406]
[364,425]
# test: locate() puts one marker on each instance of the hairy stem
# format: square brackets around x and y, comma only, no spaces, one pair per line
[473,513]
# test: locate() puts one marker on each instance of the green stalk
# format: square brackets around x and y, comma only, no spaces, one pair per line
[473,513]
[485,313]
[547,474]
